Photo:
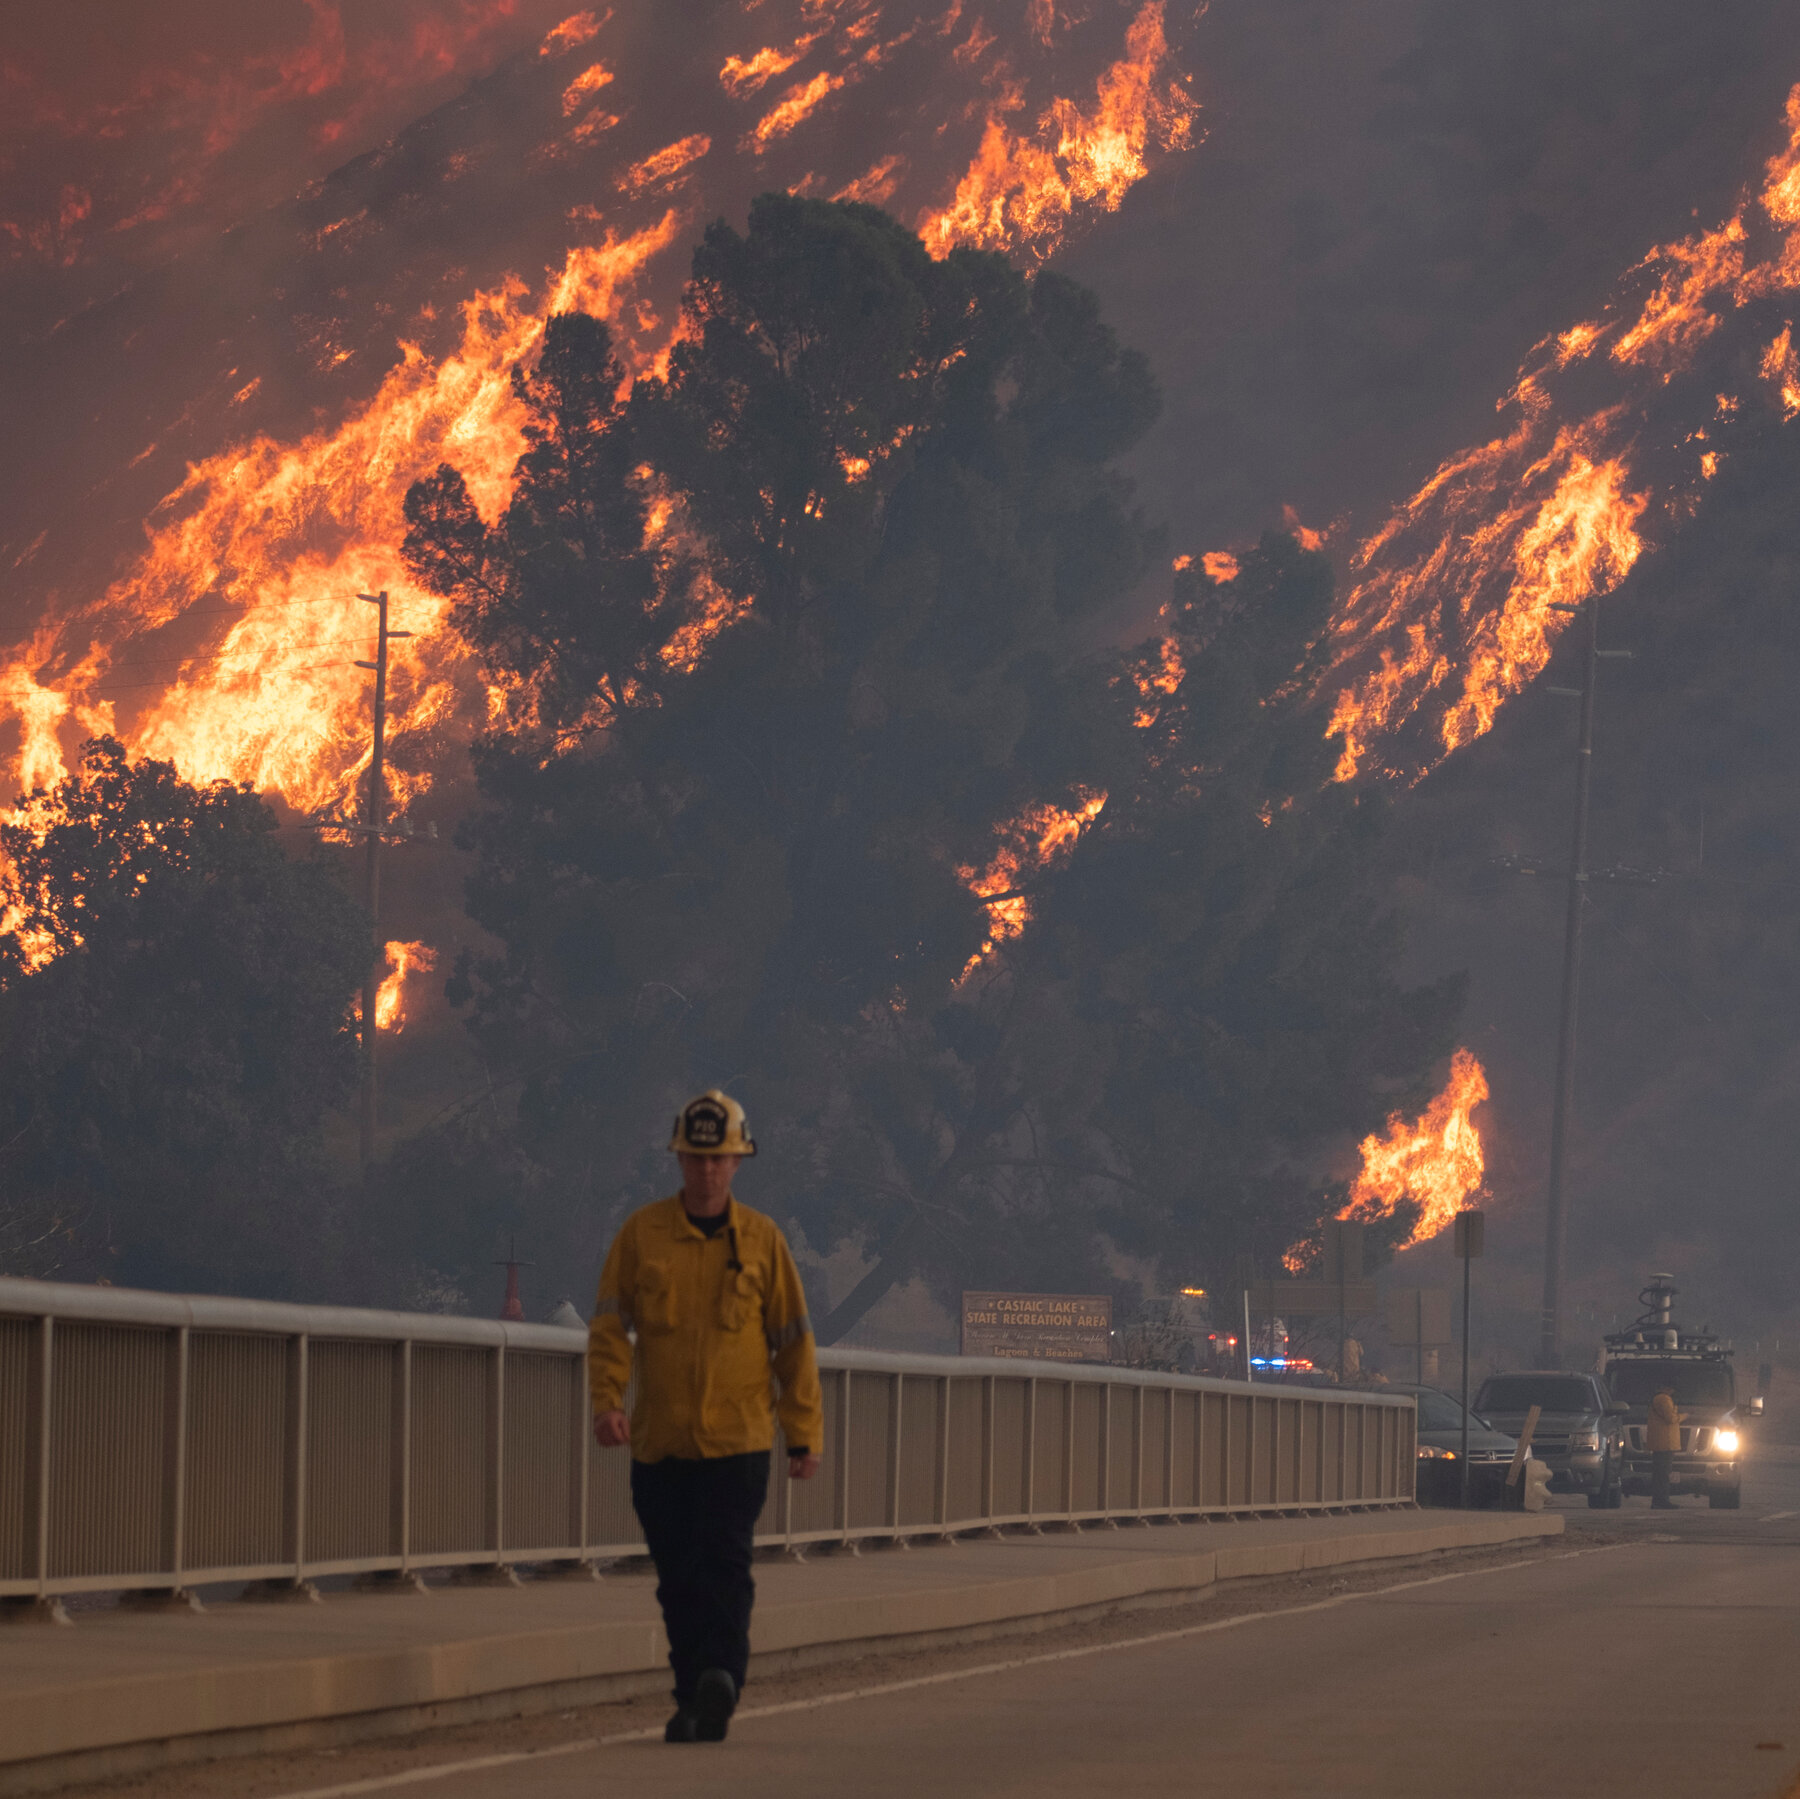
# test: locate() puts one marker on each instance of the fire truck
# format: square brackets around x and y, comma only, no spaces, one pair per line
[1655,1352]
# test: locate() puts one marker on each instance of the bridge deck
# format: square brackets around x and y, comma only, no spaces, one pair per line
[123,1689]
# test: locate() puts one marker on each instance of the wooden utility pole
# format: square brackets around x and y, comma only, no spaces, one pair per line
[374,823]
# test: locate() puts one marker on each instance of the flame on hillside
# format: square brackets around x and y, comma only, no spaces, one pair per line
[403,959]
[1434,1162]
[290,534]
[1455,606]
[1038,838]
[1025,187]
[241,608]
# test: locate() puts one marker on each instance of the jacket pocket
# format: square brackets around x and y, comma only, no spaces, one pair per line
[658,1306]
[741,1299]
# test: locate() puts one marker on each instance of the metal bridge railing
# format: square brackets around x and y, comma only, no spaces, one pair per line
[160,1442]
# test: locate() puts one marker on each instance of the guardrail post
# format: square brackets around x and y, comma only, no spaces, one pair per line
[584,1458]
[293,1551]
[1250,1457]
[943,1454]
[1169,1449]
[987,1449]
[843,1470]
[1068,1492]
[1028,1487]
[174,1494]
[400,1455]
[897,1393]
[1104,1492]
[1275,1422]
[38,1432]
[497,1452]
[1200,1450]
[1137,1451]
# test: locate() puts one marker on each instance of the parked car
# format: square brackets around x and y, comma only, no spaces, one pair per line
[1440,1451]
[1580,1431]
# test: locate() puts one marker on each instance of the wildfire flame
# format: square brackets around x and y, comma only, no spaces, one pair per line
[403,959]
[241,608]
[1456,603]
[1023,189]
[1436,1161]
[269,541]
[1040,836]
[286,536]
[1157,680]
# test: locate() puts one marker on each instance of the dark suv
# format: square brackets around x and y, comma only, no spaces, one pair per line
[1580,1430]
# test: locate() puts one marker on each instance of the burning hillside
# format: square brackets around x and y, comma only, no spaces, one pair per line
[1613,428]
[228,644]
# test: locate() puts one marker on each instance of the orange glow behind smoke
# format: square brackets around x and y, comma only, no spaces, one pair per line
[1454,607]
[1436,1161]
[1039,837]
[1023,190]
[403,959]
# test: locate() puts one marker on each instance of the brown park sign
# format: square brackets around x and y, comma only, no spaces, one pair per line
[1045,1327]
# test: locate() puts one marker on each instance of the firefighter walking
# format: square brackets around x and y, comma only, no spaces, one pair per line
[1663,1437]
[704,1293]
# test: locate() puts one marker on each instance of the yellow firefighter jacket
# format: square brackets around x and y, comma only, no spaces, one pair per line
[1665,1423]
[714,1318]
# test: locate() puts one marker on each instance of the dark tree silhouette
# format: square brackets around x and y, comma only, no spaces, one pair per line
[174,993]
[730,835]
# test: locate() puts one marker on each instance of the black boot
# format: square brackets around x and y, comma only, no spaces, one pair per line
[684,1727]
[715,1699]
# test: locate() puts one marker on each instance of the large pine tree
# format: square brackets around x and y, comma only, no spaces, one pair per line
[797,636]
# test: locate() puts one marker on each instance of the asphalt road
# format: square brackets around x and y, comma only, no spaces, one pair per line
[1770,1514]
[1655,1656]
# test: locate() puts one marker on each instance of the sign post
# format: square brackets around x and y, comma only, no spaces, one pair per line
[1045,1327]
[1470,1229]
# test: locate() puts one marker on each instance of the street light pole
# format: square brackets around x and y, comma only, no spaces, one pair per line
[1556,1220]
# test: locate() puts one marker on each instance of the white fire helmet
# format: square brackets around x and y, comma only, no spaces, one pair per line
[712,1125]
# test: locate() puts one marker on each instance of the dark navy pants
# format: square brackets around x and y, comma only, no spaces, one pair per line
[699,1518]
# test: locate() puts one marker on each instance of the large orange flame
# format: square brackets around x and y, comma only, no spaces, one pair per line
[403,959]
[1024,188]
[284,537]
[1461,594]
[241,610]
[1040,836]
[1435,1161]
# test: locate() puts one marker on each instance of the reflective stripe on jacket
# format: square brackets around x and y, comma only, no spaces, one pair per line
[1665,1424]
[709,1336]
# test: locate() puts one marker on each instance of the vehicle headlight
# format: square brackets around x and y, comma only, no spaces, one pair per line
[1725,1442]
[1584,1439]
[1429,1454]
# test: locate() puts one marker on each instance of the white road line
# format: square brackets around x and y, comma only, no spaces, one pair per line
[1770,1517]
[443,1770]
